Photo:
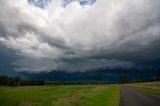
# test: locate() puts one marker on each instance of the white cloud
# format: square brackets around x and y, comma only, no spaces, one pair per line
[2,39]
[58,35]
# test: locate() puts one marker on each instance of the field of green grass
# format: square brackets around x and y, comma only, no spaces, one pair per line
[150,87]
[69,95]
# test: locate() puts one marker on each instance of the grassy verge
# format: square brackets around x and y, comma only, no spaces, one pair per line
[105,97]
[150,87]
[80,95]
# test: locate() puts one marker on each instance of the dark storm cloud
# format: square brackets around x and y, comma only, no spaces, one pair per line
[7,57]
[107,34]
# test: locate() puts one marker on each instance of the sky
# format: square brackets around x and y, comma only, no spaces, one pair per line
[78,36]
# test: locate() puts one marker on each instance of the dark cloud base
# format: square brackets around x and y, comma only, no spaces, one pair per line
[7,57]
[100,75]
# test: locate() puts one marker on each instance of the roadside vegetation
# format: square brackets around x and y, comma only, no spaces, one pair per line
[107,97]
[150,87]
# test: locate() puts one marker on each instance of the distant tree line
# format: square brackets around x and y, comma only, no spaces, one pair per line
[123,78]
[18,81]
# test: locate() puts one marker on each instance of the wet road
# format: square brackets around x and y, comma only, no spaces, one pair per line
[133,97]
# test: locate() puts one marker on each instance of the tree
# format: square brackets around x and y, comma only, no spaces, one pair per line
[158,74]
[123,78]
[17,81]
[3,80]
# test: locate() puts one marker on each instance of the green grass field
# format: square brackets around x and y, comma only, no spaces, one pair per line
[70,95]
[150,87]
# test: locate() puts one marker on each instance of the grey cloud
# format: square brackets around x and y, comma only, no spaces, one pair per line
[108,34]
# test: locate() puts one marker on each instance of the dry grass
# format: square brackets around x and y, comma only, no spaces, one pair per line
[71,99]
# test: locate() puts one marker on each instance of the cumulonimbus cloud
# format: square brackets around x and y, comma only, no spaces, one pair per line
[106,34]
